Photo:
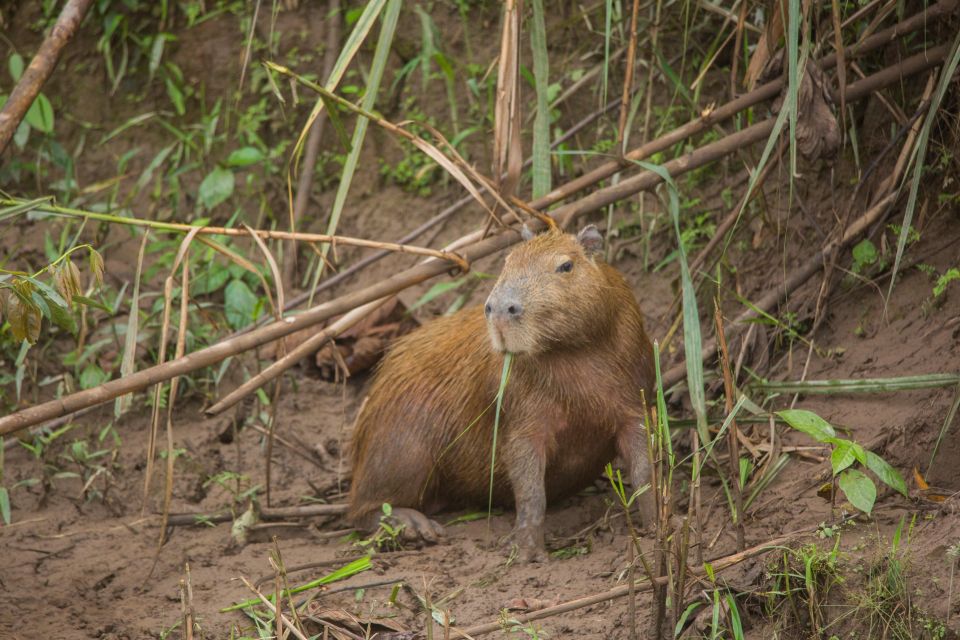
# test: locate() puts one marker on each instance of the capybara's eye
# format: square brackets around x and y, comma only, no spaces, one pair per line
[566,267]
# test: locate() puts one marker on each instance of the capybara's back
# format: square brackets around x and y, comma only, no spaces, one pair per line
[423,439]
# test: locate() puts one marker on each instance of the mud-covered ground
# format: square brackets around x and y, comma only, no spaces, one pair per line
[74,567]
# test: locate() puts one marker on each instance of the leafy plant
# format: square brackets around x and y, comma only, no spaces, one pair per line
[859,488]
[27,299]
[388,536]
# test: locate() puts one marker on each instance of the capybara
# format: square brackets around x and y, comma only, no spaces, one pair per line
[424,437]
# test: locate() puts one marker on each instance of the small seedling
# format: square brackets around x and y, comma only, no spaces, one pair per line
[388,536]
[857,486]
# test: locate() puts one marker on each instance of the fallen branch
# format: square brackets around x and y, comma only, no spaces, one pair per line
[488,246]
[40,69]
[265,514]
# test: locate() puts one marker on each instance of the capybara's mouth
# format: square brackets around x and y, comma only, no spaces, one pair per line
[503,340]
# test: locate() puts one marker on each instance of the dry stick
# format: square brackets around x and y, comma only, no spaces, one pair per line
[313,344]
[596,200]
[733,433]
[312,148]
[628,87]
[719,564]
[269,514]
[40,69]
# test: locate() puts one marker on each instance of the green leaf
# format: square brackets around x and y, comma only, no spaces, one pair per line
[859,489]
[5,505]
[176,96]
[887,474]
[92,376]
[842,457]
[809,423]
[216,187]
[15,64]
[240,304]
[54,306]
[865,253]
[437,290]
[40,114]
[244,157]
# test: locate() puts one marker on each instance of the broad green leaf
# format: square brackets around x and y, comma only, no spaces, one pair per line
[809,423]
[244,157]
[216,187]
[842,457]
[887,474]
[92,376]
[40,114]
[859,489]
[240,304]
[15,64]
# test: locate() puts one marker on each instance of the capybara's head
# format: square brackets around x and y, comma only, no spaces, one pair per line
[551,293]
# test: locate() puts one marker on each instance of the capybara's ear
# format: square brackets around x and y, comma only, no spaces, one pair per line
[525,233]
[590,239]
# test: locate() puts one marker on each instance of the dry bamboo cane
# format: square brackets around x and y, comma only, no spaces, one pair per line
[565,214]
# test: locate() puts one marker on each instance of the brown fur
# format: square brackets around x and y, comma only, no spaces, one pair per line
[572,402]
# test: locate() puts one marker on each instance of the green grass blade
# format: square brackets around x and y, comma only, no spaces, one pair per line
[919,153]
[692,339]
[504,377]
[541,123]
[793,76]
[350,48]
[360,131]
[344,572]
[865,385]
[607,34]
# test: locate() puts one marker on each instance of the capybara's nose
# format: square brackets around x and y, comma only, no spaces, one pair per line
[503,307]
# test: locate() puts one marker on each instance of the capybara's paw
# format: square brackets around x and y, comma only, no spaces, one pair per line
[416,527]
[526,545]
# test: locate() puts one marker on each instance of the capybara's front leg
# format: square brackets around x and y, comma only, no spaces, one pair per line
[526,465]
[632,447]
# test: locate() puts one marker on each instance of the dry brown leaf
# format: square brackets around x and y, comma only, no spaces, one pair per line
[818,134]
[342,625]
